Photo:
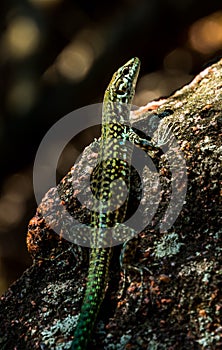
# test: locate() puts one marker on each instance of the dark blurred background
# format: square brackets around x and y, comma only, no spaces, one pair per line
[59,55]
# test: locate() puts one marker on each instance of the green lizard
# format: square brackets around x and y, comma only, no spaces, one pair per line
[116,131]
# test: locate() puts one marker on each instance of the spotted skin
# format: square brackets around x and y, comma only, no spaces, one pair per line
[116,131]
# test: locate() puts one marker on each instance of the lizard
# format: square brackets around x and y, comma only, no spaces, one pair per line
[116,130]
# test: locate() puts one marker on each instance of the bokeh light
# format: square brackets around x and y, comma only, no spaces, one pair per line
[22,38]
[75,60]
[11,211]
[16,191]
[205,35]
[21,96]
[177,65]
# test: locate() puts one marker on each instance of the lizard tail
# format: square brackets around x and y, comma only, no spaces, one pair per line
[94,294]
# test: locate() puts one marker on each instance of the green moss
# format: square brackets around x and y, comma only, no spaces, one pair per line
[168,245]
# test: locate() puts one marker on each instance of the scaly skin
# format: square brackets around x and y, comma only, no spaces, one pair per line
[116,110]
[114,159]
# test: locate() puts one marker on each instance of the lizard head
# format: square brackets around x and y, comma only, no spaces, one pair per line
[122,85]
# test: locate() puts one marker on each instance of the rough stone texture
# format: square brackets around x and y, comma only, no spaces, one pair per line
[171,299]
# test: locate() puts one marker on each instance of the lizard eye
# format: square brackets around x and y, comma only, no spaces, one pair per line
[121,89]
[121,92]
[125,70]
